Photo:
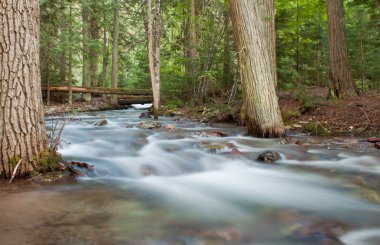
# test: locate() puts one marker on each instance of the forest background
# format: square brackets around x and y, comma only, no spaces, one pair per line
[199,60]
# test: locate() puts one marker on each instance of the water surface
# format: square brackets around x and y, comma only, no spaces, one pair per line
[186,186]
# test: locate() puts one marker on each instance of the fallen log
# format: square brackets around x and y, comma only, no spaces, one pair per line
[98,90]
[129,100]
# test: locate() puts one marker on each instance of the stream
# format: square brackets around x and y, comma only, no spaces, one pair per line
[187,186]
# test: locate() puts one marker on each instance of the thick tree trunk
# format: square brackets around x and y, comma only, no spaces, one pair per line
[341,80]
[86,75]
[153,39]
[253,27]
[22,129]
[115,51]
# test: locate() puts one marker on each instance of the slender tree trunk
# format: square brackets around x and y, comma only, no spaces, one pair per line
[86,76]
[62,61]
[153,39]
[252,22]
[22,129]
[227,60]
[341,81]
[63,53]
[298,33]
[193,43]
[115,51]
[48,80]
[105,60]
[70,80]
[191,46]
[157,58]
[94,52]
[362,58]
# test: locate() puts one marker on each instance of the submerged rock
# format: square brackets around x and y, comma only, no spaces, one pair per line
[101,123]
[373,140]
[170,127]
[147,170]
[317,232]
[149,125]
[268,157]
[213,134]
[145,115]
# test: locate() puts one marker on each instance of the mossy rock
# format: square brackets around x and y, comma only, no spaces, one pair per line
[49,161]
[317,129]
[288,115]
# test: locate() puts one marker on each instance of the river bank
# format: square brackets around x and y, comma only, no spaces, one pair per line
[310,113]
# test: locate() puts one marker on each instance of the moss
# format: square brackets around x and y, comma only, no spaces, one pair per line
[290,114]
[14,160]
[316,128]
[49,161]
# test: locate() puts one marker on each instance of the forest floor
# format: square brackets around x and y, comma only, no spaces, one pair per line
[319,116]
[309,112]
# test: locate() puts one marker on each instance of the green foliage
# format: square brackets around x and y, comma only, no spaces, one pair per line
[302,45]
[49,161]
[318,129]
[289,115]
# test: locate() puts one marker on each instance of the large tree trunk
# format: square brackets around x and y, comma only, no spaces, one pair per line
[86,75]
[115,51]
[253,27]
[153,38]
[22,129]
[341,80]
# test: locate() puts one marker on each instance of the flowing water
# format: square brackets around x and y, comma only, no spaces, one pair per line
[186,186]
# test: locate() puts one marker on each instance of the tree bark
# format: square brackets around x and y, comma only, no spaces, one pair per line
[253,28]
[341,81]
[193,43]
[191,46]
[70,80]
[298,33]
[94,51]
[115,51]
[22,128]
[86,76]
[105,60]
[228,46]
[153,39]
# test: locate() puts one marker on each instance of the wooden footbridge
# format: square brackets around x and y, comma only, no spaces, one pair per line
[126,96]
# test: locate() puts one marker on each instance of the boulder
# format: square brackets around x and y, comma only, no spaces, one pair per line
[377,145]
[101,123]
[268,157]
